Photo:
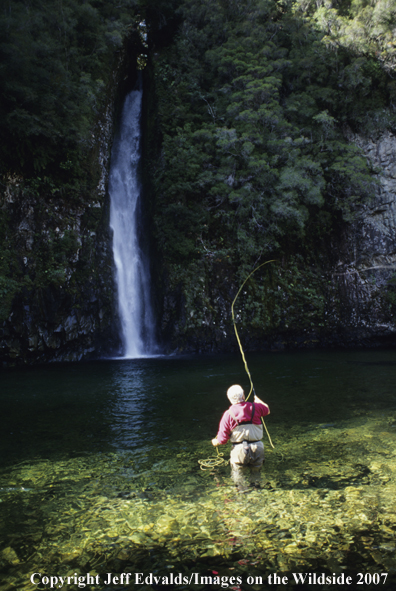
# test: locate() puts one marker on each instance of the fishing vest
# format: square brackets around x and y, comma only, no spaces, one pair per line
[245,430]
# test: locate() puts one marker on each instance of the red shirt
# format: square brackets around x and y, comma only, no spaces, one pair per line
[243,412]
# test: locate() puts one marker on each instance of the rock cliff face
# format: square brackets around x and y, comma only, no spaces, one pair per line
[351,286]
[365,271]
[57,293]
[63,305]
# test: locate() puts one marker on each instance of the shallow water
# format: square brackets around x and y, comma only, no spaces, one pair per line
[99,473]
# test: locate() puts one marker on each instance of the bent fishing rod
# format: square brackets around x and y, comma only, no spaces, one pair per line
[240,344]
[210,463]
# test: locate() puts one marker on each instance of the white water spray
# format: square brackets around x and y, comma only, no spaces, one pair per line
[132,270]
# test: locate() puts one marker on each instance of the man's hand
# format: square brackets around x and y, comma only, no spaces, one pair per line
[215,442]
[257,399]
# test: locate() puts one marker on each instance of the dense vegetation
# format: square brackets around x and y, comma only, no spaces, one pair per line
[57,73]
[256,100]
[249,112]
[57,59]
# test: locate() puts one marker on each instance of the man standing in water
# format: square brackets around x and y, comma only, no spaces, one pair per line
[241,424]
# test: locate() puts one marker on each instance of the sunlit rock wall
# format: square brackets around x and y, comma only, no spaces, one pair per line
[354,276]
[366,267]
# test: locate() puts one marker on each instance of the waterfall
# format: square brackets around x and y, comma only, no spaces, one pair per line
[131,263]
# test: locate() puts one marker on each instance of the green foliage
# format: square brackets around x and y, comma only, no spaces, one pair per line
[56,60]
[364,27]
[253,104]
[248,155]
[48,262]
[250,107]
[52,258]
[279,298]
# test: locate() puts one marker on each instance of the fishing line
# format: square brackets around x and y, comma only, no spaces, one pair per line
[212,462]
[240,344]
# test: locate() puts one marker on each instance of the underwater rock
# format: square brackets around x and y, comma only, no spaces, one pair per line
[124,554]
[77,503]
[70,554]
[139,538]
[166,525]
[10,556]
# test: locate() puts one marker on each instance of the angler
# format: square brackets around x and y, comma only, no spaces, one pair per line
[241,424]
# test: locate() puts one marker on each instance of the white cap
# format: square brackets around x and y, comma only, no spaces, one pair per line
[235,394]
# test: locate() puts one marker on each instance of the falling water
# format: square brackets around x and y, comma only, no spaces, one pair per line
[132,269]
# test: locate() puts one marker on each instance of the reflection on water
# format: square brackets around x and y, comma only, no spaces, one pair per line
[99,470]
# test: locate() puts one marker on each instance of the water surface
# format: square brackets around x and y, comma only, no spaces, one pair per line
[99,469]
